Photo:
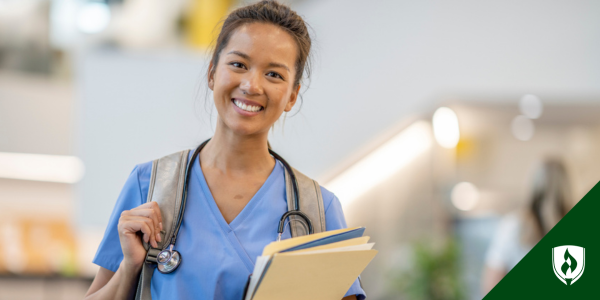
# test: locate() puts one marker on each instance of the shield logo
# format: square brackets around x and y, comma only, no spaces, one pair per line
[568,263]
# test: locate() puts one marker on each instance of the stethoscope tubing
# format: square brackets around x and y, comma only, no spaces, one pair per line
[296,205]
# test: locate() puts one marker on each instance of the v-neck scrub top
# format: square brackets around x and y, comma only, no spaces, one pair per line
[216,257]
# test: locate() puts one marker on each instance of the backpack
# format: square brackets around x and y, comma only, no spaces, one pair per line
[167,187]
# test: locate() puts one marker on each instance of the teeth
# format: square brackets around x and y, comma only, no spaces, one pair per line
[245,107]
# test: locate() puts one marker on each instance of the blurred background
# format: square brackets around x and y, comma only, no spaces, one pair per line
[458,132]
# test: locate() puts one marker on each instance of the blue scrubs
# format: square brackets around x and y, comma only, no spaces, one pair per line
[217,257]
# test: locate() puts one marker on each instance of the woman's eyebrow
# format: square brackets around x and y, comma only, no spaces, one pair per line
[242,54]
[278,65]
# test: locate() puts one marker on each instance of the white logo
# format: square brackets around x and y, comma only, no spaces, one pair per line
[568,263]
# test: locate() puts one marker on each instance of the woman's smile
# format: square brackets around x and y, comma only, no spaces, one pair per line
[247,107]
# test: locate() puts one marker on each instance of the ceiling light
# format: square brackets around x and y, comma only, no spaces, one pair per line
[41,167]
[465,196]
[522,128]
[531,106]
[445,127]
[382,163]
[93,17]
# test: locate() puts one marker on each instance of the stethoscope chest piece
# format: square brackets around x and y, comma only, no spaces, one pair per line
[168,260]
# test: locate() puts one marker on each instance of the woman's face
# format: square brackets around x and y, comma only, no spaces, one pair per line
[253,83]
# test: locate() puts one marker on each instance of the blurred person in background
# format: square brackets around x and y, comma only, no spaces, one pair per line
[518,232]
[255,74]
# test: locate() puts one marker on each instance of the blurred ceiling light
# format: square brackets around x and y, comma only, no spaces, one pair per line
[63,17]
[93,17]
[382,163]
[465,196]
[522,128]
[445,127]
[531,106]
[41,167]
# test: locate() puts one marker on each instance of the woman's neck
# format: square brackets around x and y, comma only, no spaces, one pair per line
[233,153]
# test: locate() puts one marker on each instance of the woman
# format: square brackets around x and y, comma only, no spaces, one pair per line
[236,193]
[518,233]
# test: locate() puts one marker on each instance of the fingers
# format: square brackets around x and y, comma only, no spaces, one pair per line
[154,206]
[151,214]
[130,222]
[149,230]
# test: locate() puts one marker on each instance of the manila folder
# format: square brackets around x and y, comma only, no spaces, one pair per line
[318,276]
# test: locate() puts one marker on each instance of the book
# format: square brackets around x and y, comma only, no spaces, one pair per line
[317,266]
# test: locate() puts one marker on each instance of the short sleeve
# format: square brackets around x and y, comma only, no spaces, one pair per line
[109,254]
[334,218]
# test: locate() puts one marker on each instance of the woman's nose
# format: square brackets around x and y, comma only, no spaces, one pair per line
[251,84]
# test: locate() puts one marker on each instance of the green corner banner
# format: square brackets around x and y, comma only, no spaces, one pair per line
[565,264]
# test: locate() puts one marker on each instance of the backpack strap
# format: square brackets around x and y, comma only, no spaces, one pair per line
[166,188]
[311,204]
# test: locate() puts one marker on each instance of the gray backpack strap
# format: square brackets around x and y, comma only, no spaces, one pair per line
[311,203]
[166,188]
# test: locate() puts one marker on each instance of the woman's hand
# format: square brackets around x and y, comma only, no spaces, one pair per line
[145,218]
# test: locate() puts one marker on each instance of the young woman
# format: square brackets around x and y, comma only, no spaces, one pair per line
[236,192]
[518,232]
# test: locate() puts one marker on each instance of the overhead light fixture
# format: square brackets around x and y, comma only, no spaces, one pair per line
[465,196]
[445,127]
[41,167]
[382,163]
[522,128]
[531,106]
[93,17]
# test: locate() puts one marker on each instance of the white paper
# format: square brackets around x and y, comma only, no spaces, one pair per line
[259,267]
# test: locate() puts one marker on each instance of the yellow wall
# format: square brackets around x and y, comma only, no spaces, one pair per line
[202,20]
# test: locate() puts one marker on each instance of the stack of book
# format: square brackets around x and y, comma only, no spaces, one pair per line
[317,266]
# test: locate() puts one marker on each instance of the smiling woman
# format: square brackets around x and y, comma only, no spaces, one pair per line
[252,87]
[236,192]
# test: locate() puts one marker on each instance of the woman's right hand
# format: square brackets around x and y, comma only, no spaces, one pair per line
[145,218]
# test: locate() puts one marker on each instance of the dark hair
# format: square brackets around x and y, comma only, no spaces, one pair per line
[270,12]
[551,184]
[549,202]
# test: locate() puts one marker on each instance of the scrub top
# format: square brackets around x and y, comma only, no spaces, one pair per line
[216,257]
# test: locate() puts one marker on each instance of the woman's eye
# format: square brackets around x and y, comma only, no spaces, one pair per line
[273,74]
[237,64]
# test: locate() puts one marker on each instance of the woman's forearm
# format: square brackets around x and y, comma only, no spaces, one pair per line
[121,286]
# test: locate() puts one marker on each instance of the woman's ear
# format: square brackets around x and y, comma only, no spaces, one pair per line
[292,100]
[211,76]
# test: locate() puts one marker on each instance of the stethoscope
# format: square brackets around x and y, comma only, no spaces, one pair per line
[168,259]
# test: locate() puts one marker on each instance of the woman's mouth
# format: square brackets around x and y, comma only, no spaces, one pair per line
[246,107]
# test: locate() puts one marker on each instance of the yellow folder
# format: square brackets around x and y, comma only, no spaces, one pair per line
[324,272]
